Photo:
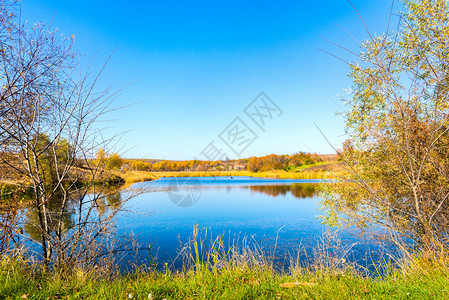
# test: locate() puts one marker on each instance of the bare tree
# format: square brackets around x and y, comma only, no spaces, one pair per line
[48,134]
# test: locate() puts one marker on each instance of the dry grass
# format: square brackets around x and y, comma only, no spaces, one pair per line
[322,171]
[136,176]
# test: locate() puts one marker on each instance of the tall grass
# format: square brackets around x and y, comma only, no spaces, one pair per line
[279,174]
[234,269]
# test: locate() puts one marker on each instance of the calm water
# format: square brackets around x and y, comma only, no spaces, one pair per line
[265,212]
[262,210]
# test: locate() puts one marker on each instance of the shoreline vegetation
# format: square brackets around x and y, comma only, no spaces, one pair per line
[236,273]
[117,178]
[20,281]
[315,171]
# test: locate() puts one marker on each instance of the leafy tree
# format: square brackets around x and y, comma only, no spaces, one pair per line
[51,159]
[254,165]
[100,157]
[108,161]
[397,120]
[114,162]
[139,166]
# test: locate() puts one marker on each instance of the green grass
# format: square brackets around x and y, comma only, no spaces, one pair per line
[241,270]
[232,282]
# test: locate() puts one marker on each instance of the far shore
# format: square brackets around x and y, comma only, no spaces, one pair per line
[323,171]
[327,170]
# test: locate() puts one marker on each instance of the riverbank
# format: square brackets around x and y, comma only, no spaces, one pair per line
[327,170]
[317,171]
[232,280]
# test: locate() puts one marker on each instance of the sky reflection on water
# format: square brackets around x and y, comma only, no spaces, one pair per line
[255,208]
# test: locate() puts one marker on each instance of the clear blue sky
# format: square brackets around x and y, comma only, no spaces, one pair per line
[195,65]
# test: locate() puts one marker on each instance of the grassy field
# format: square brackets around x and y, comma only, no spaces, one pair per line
[230,280]
[236,271]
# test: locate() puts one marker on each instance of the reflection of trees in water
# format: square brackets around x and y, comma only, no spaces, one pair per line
[104,204]
[54,219]
[10,229]
[299,190]
[59,218]
[112,200]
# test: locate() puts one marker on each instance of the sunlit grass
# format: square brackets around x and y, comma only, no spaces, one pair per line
[214,269]
[136,176]
[239,279]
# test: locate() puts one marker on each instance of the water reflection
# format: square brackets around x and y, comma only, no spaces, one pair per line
[300,190]
[59,218]
[241,207]
[111,201]
[297,190]
[64,213]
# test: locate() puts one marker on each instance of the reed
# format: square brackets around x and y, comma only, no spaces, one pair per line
[235,269]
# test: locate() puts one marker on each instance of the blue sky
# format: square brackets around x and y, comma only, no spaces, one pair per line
[194,66]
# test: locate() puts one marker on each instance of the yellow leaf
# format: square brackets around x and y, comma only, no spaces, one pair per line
[294,284]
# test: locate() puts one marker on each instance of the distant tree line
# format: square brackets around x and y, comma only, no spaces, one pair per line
[253,164]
